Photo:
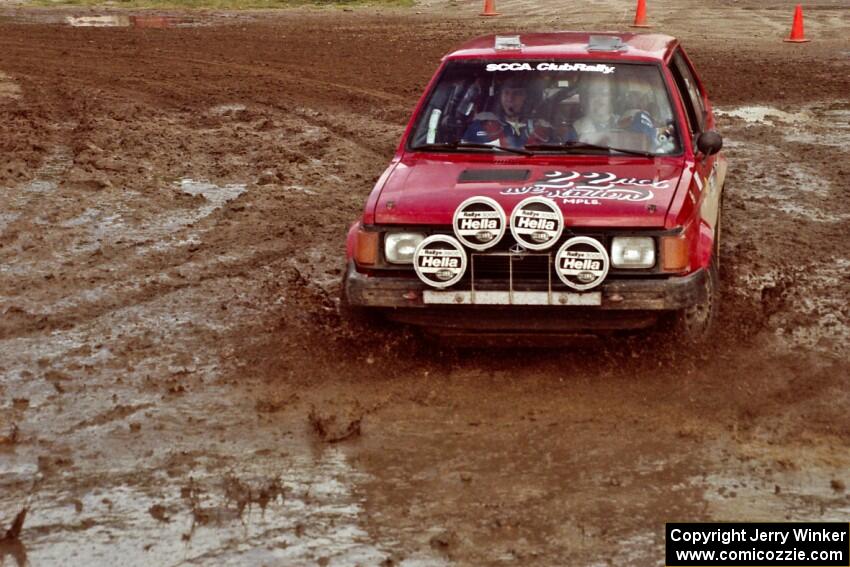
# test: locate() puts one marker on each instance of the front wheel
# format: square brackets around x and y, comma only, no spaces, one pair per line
[695,324]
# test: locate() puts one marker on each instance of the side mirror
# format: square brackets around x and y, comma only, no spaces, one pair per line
[709,143]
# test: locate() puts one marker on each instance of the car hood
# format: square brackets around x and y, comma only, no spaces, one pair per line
[592,192]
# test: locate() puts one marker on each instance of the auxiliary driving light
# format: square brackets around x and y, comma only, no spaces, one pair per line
[440,261]
[479,222]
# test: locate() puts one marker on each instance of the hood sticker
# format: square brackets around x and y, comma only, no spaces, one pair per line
[582,263]
[439,261]
[537,223]
[590,188]
[479,222]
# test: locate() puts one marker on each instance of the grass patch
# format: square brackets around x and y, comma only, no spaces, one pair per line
[219,4]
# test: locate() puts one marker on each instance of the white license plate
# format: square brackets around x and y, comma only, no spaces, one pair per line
[432,297]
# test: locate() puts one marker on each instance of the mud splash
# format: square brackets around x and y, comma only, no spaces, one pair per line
[804,299]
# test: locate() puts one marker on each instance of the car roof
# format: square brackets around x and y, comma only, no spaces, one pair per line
[568,44]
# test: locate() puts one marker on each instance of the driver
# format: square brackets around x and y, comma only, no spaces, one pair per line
[601,124]
[508,126]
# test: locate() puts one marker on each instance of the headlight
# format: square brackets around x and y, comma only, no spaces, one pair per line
[633,252]
[400,246]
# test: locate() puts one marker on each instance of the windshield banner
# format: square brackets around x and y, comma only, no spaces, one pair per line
[549,66]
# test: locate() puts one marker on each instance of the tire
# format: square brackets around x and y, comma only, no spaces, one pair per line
[696,324]
[354,314]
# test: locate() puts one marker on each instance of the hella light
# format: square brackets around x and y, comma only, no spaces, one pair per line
[633,252]
[400,246]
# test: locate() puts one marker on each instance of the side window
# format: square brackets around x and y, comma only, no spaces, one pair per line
[690,92]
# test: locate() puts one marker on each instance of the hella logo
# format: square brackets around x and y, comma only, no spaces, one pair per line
[444,275]
[472,224]
[577,264]
[439,262]
[531,223]
[539,236]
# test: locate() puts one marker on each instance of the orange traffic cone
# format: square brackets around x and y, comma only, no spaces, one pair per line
[640,15]
[797,33]
[489,8]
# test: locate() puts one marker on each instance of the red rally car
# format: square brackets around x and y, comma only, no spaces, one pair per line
[549,183]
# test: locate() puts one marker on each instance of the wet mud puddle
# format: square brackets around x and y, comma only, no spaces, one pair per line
[127,21]
[294,511]
[114,221]
[768,482]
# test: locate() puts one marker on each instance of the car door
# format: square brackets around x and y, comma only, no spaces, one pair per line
[709,170]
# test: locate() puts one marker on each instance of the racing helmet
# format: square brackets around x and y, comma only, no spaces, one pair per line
[514,85]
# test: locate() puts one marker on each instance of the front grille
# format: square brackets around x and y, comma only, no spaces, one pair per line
[534,267]
[499,271]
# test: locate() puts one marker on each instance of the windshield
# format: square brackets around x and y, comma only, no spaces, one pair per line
[582,107]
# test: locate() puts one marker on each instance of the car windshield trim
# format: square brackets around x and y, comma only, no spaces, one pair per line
[472,146]
[570,145]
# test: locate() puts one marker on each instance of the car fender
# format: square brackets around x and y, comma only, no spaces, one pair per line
[351,241]
[710,199]
[375,195]
[368,217]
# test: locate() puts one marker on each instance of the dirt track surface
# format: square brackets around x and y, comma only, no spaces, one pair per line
[176,385]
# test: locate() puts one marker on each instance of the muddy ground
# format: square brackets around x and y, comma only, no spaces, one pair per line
[177,387]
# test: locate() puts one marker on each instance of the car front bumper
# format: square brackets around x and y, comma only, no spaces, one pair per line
[616,305]
[656,294]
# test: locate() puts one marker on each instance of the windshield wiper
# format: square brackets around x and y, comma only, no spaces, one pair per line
[576,145]
[471,145]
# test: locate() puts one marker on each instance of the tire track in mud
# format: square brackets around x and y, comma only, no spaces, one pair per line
[250,72]
[380,149]
[117,299]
